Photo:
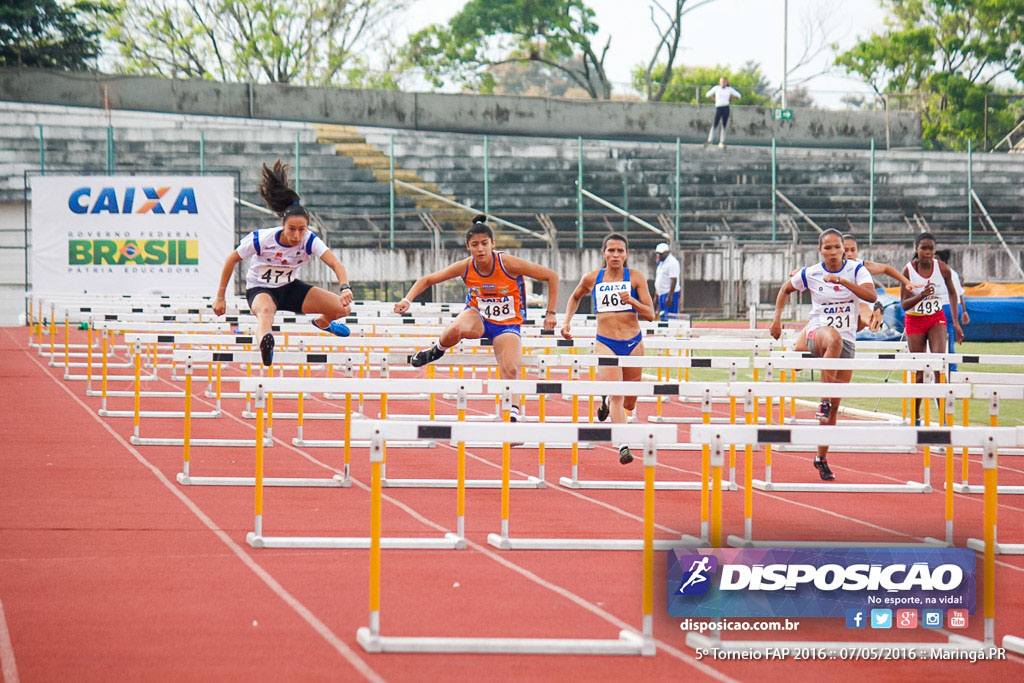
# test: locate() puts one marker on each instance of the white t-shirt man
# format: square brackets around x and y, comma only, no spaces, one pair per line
[723,95]
[833,305]
[668,268]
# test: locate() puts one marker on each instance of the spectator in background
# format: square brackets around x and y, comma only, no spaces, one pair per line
[723,94]
[667,281]
[943,255]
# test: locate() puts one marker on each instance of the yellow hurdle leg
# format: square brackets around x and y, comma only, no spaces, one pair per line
[965,460]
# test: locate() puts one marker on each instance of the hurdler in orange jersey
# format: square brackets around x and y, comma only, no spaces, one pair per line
[495,304]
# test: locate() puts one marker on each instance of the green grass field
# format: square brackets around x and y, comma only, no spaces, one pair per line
[1011,413]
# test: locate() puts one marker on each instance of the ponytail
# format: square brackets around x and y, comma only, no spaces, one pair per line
[278,194]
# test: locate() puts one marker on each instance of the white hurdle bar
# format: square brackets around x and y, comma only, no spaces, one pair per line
[754,390]
[386,386]
[629,642]
[988,438]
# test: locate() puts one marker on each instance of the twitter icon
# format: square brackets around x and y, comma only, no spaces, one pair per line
[881,618]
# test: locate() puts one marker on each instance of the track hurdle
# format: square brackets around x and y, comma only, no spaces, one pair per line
[628,642]
[349,386]
[987,438]
[782,390]
[869,434]
[450,541]
[750,391]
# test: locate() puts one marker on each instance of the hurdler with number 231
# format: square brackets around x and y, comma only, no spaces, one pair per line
[495,304]
[837,286]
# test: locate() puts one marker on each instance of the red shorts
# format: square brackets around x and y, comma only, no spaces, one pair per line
[920,324]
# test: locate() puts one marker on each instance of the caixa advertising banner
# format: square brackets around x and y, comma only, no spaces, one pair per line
[820,582]
[130,234]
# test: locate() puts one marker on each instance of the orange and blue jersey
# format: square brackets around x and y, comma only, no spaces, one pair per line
[498,297]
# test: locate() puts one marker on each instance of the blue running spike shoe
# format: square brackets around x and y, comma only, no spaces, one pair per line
[336,328]
[625,457]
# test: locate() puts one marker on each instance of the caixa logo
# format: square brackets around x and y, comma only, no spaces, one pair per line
[132,200]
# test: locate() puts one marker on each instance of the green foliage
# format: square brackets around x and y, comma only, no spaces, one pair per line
[310,42]
[688,82]
[50,34]
[945,55]
[488,33]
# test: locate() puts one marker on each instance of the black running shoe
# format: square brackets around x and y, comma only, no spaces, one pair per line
[824,471]
[824,410]
[421,358]
[602,412]
[267,349]
[625,457]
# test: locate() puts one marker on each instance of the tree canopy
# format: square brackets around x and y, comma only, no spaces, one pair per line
[50,34]
[946,55]
[310,42]
[689,84]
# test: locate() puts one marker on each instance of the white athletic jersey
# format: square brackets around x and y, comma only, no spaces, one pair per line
[957,285]
[932,304]
[833,305]
[273,264]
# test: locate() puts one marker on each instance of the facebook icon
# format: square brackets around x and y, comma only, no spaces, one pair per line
[856,618]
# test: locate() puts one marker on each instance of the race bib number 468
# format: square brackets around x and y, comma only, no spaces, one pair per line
[609,297]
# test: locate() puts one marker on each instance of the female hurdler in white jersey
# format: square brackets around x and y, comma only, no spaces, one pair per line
[837,286]
[276,253]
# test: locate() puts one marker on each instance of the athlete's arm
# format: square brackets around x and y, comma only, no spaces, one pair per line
[334,264]
[953,301]
[219,305]
[885,269]
[454,270]
[644,307]
[584,288]
[864,291]
[785,290]
[908,300]
[537,272]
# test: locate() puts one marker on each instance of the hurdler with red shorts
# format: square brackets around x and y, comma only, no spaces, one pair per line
[924,322]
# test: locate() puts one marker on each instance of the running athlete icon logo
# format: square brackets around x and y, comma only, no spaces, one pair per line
[697,579]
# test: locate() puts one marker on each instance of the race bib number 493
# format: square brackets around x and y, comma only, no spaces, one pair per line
[929,306]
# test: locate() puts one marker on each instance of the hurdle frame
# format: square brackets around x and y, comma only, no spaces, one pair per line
[628,642]
[988,438]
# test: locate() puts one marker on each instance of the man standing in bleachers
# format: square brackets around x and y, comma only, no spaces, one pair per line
[667,282]
[723,94]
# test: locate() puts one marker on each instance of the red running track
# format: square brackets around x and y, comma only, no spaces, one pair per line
[109,568]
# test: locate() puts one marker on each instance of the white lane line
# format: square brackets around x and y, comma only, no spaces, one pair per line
[7,664]
[304,612]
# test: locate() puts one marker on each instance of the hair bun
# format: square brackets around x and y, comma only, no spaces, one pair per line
[480,218]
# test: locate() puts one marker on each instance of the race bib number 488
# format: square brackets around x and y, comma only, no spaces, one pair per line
[497,308]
